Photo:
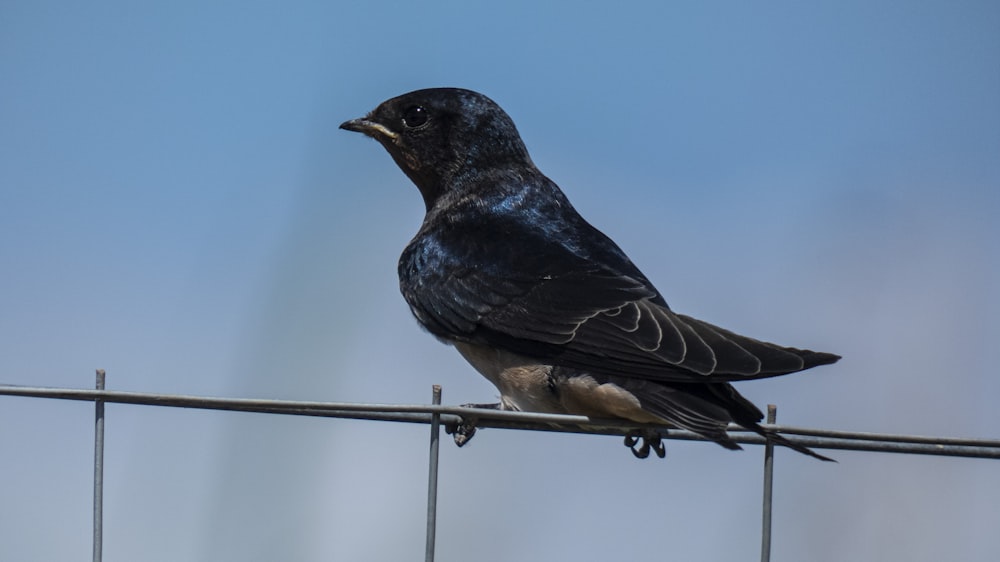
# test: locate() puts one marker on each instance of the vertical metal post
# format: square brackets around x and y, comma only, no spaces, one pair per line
[99,470]
[765,539]
[432,478]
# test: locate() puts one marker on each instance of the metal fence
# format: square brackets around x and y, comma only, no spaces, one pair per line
[435,415]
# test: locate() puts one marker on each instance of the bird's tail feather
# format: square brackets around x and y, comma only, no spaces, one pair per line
[708,409]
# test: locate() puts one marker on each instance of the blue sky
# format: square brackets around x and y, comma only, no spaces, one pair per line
[178,207]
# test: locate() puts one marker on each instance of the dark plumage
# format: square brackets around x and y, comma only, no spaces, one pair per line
[542,303]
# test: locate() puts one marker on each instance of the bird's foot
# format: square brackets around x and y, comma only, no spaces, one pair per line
[651,441]
[463,431]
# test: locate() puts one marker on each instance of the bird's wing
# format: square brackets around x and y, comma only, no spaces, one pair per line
[579,313]
[610,324]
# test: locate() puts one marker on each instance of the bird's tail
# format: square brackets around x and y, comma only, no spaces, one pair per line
[781,440]
[708,409]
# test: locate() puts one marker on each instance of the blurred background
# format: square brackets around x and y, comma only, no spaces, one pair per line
[178,207]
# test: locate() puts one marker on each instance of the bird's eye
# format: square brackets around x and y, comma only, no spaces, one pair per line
[414,116]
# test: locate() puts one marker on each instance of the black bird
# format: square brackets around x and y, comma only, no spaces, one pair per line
[543,304]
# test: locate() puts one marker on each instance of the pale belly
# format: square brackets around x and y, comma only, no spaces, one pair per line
[528,386]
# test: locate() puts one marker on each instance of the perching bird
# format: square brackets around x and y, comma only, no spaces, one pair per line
[543,304]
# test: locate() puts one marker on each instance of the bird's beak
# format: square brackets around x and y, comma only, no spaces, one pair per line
[370,128]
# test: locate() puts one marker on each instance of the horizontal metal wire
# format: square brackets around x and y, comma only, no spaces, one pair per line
[453,415]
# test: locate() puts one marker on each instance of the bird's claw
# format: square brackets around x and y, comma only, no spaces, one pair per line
[463,431]
[651,441]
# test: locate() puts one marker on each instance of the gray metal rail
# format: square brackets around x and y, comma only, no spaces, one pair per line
[435,415]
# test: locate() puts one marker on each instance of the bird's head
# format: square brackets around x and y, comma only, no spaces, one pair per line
[440,136]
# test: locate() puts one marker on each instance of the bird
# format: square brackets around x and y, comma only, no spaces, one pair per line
[543,304]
